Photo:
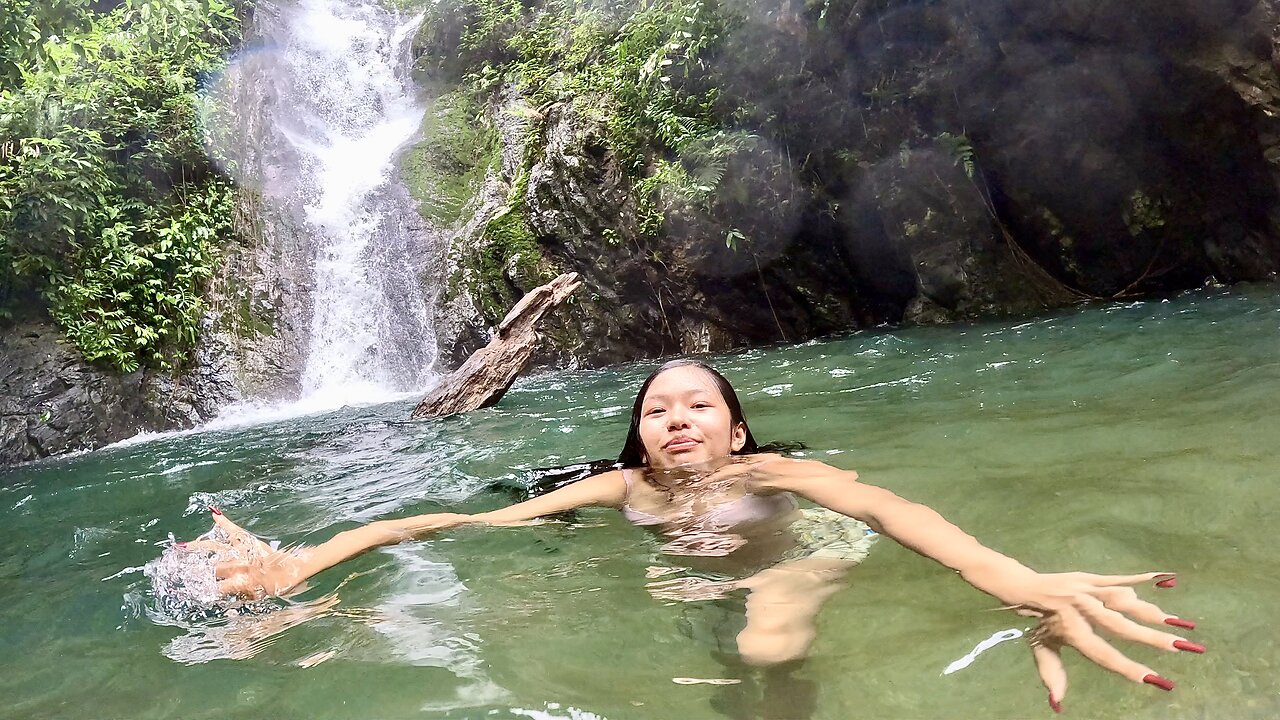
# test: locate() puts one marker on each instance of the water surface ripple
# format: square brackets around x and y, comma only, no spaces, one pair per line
[1116,438]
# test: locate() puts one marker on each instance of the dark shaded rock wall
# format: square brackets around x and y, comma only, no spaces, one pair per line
[913,161]
[52,402]
[1132,147]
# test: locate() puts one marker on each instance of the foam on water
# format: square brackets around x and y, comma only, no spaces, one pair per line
[261,413]
[254,413]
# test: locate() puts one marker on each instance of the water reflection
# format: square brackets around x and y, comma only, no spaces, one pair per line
[241,633]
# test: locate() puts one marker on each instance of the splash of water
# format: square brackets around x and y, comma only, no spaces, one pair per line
[184,581]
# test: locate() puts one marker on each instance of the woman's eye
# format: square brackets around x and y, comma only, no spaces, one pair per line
[654,411]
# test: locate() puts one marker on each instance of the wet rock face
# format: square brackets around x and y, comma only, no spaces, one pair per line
[258,302]
[1129,145]
[691,288]
[51,402]
[582,214]
[1124,148]
[921,162]
[576,188]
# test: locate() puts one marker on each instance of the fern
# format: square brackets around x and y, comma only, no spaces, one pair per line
[961,149]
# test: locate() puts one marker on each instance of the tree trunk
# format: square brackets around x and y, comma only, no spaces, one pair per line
[484,378]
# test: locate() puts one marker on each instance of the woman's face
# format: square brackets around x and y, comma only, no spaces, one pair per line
[684,420]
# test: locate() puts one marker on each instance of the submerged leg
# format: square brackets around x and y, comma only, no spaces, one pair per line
[782,607]
[766,693]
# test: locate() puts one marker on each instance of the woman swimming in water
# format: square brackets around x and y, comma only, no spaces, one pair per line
[691,471]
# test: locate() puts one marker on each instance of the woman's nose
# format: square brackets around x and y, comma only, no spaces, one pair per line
[676,420]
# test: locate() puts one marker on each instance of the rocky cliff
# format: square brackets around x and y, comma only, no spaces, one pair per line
[778,171]
[52,402]
[919,162]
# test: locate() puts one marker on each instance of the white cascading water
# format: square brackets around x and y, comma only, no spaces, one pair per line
[335,106]
[370,329]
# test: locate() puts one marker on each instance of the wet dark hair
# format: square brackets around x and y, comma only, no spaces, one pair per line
[632,454]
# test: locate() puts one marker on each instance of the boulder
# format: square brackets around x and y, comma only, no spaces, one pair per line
[52,402]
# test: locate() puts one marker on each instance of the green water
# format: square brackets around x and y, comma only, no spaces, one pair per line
[1118,438]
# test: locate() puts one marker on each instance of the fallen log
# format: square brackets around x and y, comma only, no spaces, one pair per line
[487,375]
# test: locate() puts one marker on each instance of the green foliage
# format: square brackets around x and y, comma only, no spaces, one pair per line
[109,208]
[54,187]
[507,262]
[25,25]
[1144,213]
[638,66]
[445,169]
[733,237]
[961,148]
[692,180]
[134,296]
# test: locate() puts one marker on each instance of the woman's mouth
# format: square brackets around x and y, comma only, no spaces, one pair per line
[680,444]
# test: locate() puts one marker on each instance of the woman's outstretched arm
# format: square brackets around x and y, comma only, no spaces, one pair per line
[260,571]
[1069,605]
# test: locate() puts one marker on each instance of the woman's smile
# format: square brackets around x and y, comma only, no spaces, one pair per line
[681,443]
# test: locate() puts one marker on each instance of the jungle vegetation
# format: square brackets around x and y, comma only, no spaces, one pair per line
[111,210]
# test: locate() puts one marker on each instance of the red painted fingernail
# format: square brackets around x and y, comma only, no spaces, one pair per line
[214,510]
[1057,706]
[1179,622]
[1168,581]
[1188,646]
[1158,681]
[181,545]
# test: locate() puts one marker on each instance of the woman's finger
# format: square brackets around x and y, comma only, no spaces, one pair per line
[1078,634]
[203,546]
[1118,625]
[1125,600]
[1162,579]
[238,536]
[1052,673]
[241,586]
[227,525]
[223,521]
[229,569]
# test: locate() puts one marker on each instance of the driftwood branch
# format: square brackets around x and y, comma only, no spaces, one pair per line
[485,377]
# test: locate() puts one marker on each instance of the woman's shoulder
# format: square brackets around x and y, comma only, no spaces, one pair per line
[770,472]
[775,462]
[606,488]
[612,479]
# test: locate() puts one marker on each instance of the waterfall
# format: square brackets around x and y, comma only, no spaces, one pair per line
[321,104]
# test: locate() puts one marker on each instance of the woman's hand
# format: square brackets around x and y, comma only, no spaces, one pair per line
[1071,606]
[260,576]
[245,566]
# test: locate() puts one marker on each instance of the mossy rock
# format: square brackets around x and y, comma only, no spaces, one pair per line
[445,169]
[245,317]
[255,320]
[505,263]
